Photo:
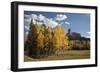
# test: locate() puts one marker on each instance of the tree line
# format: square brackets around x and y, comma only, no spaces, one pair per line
[44,40]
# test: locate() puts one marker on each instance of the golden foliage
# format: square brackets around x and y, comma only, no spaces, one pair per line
[41,37]
[40,40]
[59,38]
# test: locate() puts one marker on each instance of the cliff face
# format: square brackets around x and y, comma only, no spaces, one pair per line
[75,36]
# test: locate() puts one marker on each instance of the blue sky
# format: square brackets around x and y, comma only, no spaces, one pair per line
[78,22]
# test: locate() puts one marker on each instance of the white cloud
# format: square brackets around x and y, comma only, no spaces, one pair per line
[26,23]
[34,16]
[67,23]
[88,33]
[41,17]
[26,27]
[60,17]
[34,21]
[27,20]
[50,23]
[27,16]
[39,23]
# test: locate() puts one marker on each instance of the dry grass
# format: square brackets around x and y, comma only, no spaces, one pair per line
[68,55]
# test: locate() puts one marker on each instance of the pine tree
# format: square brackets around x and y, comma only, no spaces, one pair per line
[32,38]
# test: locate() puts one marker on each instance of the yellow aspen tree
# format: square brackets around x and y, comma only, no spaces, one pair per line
[61,38]
[40,40]
[55,41]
